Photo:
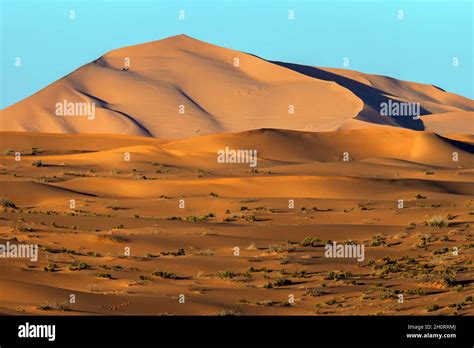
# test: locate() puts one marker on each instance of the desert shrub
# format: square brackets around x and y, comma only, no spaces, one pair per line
[54,306]
[278,248]
[7,203]
[277,283]
[52,267]
[179,252]
[112,206]
[310,241]
[79,266]
[196,218]
[335,275]
[164,274]
[433,308]
[226,275]
[437,221]
[37,164]
[250,218]
[378,240]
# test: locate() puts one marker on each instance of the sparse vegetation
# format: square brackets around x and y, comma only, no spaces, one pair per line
[378,240]
[226,275]
[116,238]
[250,218]
[310,242]
[37,164]
[52,267]
[164,274]
[79,174]
[196,218]
[433,308]
[79,266]
[179,252]
[314,292]
[278,248]
[55,306]
[205,252]
[7,203]
[425,240]
[437,221]
[338,275]
[278,283]
[112,206]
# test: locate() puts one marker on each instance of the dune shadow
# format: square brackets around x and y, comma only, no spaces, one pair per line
[104,104]
[467,147]
[371,96]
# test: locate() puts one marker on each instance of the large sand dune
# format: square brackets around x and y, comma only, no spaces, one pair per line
[219,96]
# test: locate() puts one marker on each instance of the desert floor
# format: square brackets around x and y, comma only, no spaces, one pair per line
[134,205]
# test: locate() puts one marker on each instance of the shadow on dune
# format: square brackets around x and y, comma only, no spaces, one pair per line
[459,144]
[105,104]
[372,97]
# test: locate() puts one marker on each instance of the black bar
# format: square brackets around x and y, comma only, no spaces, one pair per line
[238,330]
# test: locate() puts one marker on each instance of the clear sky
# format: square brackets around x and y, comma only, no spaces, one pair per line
[420,47]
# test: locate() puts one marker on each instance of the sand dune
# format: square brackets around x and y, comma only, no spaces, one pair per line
[292,186]
[272,145]
[293,146]
[182,72]
[450,123]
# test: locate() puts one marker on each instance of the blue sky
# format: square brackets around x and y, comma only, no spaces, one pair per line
[420,47]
